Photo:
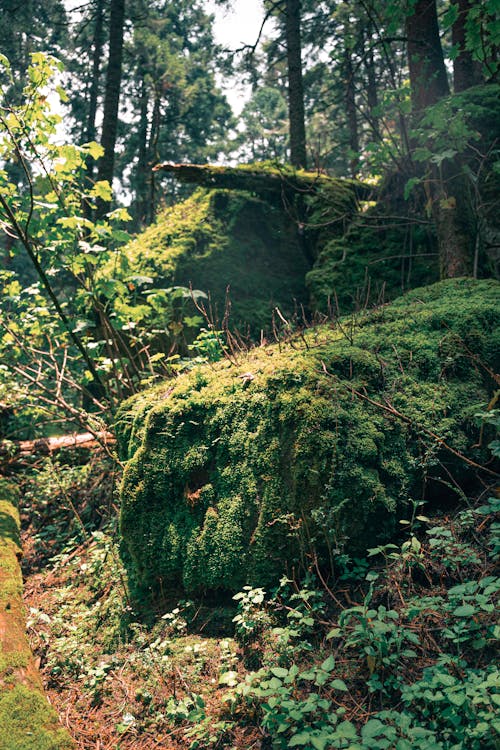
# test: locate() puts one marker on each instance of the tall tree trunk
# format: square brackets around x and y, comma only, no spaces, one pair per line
[466,71]
[298,154]
[153,156]
[90,126]
[371,89]
[141,186]
[425,56]
[111,96]
[97,45]
[352,119]
[447,185]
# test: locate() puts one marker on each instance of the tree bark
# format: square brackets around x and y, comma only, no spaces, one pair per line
[352,119]
[142,179]
[97,45]
[447,185]
[111,97]
[466,71]
[90,128]
[298,153]
[425,56]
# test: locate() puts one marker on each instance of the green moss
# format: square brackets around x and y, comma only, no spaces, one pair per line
[223,240]
[233,480]
[376,260]
[27,722]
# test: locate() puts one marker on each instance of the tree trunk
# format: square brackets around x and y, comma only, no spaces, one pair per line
[371,89]
[154,156]
[425,56]
[298,155]
[111,96]
[466,71]
[90,128]
[455,221]
[142,181]
[447,186]
[352,119]
[97,45]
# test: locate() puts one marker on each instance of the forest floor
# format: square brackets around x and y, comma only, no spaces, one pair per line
[352,660]
[115,683]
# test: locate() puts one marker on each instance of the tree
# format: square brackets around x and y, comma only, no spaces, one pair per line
[447,186]
[298,154]
[178,112]
[265,125]
[111,96]
[466,70]
[425,56]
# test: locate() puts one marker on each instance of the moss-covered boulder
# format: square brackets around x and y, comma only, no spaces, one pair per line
[224,242]
[239,472]
[378,258]
[27,721]
[250,235]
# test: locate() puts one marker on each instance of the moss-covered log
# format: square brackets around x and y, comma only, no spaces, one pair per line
[264,179]
[27,721]
[238,473]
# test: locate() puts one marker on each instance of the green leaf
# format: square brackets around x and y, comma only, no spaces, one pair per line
[95,149]
[102,190]
[466,610]
[334,633]
[328,664]
[299,740]
[339,685]
[279,672]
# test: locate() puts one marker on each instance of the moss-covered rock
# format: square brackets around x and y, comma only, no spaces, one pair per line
[378,258]
[237,473]
[253,231]
[223,241]
[27,721]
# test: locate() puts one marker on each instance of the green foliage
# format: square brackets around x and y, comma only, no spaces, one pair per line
[233,478]
[98,334]
[370,691]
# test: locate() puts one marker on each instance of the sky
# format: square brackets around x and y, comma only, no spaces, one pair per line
[238,25]
[233,28]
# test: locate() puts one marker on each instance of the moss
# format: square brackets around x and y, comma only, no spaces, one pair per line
[27,722]
[253,230]
[232,481]
[218,241]
[270,178]
[376,260]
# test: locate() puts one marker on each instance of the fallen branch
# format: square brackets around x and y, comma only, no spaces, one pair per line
[48,446]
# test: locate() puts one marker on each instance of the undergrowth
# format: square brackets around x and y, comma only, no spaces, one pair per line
[395,650]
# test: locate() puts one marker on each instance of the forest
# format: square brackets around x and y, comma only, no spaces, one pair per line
[249,374]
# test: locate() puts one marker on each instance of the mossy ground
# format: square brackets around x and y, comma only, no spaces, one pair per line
[243,471]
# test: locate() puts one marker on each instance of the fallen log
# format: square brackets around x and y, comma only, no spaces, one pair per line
[264,180]
[27,720]
[46,446]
